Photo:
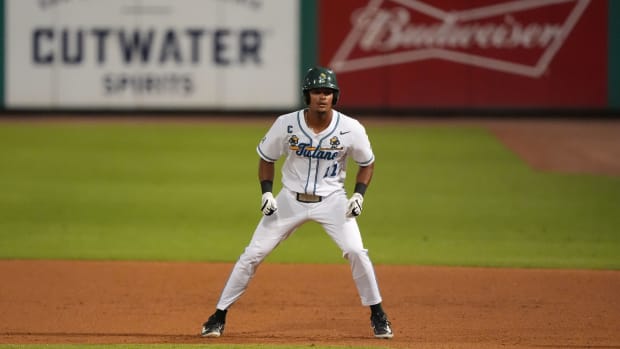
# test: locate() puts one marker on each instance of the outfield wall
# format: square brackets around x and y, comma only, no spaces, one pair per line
[250,55]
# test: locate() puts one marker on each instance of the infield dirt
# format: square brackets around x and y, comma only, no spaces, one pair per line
[430,307]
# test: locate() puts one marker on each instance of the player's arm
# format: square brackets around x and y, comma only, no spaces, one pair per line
[266,173]
[364,176]
[362,180]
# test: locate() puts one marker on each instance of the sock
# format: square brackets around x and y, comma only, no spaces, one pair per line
[220,314]
[376,309]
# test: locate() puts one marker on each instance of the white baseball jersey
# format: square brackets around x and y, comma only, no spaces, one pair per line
[315,163]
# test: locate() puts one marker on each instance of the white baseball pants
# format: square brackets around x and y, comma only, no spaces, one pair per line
[272,230]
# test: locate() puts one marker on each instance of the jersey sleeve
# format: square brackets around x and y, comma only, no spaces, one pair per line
[270,147]
[362,152]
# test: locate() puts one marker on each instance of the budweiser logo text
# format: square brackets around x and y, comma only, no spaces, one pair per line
[391,30]
[391,35]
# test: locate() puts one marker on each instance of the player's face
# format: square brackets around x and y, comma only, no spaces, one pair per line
[321,99]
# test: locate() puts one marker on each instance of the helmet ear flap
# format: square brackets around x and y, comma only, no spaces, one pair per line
[307,97]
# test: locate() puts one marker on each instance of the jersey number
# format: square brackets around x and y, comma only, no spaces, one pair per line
[331,171]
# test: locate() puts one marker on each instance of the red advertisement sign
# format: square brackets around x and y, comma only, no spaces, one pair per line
[475,53]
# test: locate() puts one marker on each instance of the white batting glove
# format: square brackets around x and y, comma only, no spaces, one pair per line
[268,204]
[354,206]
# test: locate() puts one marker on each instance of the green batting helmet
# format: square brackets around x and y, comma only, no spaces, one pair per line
[320,77]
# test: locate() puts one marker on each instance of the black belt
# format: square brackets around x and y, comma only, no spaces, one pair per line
[308,198]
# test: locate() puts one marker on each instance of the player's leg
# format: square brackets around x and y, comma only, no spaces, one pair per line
[269,233]
[271,230]
[346,234]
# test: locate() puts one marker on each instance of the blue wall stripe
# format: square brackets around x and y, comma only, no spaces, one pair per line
[309,54]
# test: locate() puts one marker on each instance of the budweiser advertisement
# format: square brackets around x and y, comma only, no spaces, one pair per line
[466,53]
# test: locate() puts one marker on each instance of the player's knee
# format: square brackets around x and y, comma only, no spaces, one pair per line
[252,257]
[355,254]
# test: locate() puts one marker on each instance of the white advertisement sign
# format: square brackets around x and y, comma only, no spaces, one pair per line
[212,54]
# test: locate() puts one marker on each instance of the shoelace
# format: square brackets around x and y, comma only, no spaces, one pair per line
[213,321]
[381,320]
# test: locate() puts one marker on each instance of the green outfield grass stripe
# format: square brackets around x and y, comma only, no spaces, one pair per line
[439,196]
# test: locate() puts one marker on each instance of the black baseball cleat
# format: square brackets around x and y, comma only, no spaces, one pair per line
[213,327]
[381,326]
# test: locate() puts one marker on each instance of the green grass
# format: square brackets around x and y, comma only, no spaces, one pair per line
[458,196]
[443,196]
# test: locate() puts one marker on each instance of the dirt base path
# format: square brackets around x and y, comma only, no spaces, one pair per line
[430,307]
[570,146]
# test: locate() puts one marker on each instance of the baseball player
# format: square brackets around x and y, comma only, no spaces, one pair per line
[315,143]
